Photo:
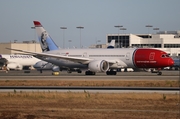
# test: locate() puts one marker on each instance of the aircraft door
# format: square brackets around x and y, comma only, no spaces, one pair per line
[127,55]
[151,56]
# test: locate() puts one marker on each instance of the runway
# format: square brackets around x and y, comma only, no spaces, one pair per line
[64,73]
[89,77]
[19,75]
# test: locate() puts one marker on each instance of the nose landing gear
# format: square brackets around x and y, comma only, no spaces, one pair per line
[158,71]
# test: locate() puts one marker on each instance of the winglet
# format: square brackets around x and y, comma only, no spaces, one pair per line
[37,24]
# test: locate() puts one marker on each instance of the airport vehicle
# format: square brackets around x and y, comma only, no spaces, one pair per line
[17,62]
[99,60]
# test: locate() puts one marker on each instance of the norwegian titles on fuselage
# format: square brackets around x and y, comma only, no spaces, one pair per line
[21,56]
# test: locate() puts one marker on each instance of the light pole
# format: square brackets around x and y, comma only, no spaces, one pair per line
[118,26]
[148,26]
[34,28]
[80,27]
[97,42]
[63,28]
[15,41]
[69,42]
[123,29]
[157,29]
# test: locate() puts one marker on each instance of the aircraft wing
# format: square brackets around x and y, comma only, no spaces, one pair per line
[82,60]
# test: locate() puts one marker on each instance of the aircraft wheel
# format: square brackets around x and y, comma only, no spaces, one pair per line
[79,71]
[107,73]
[114,72]
[111,73]
[90,73]
[159,73]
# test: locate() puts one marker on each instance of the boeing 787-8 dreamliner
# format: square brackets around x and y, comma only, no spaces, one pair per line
[99,60]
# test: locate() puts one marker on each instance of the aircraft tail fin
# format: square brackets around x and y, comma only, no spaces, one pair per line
[111,44]
[46,42]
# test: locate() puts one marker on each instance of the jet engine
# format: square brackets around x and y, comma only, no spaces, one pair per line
[43,65]
[56,69]
[98,66]
[14,66]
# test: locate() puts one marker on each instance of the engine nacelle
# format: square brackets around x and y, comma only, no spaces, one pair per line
[98,66]
[14,66]
[43,65]
[55,69]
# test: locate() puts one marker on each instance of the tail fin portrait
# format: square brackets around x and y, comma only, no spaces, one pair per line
[46,42]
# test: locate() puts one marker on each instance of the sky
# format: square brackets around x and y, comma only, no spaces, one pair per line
[98,17]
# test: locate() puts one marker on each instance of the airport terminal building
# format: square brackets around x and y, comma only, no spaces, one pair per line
[25,45]
[168,41]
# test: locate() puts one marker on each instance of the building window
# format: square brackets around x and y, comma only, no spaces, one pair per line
[171,45]
[146,45]
[123,40]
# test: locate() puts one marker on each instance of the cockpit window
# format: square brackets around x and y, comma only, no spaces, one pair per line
[165,55]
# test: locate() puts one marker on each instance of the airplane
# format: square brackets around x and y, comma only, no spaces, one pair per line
[99,60]
[17,62]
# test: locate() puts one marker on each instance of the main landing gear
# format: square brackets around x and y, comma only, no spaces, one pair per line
[158,71]
[79,71]
[111,72]
[70,71]
[90,73]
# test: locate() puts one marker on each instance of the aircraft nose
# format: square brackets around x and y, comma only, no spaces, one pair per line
[171,62]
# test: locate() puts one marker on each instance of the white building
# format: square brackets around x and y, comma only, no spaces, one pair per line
[25,45]
[168,41]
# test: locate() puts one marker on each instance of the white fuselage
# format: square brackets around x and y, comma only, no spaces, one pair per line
[123,57]
[17,62]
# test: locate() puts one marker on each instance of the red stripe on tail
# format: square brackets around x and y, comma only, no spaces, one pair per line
[37,23]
